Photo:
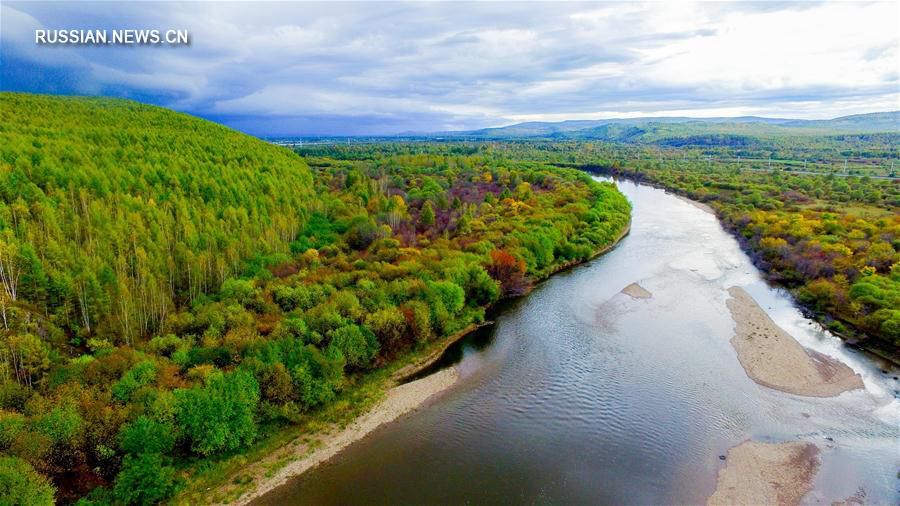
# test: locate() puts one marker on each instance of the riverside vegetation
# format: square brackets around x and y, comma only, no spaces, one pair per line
[175,294]
[832,239]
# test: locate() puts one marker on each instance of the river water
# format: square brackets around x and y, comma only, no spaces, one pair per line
[582,394]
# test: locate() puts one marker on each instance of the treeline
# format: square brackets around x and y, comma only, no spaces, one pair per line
[309,281]
[861,154]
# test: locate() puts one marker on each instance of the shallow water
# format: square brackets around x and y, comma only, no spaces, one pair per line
[581,394]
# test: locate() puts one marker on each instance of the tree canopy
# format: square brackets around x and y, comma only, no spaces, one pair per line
[172,290]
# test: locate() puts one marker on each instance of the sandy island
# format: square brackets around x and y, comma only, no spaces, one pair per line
[636,291]
[397,402]
[766,473]
[772,358]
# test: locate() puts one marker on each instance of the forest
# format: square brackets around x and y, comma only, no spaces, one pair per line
[832,239]
[175,293]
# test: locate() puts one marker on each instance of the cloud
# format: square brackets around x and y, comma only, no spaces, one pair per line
[357,68]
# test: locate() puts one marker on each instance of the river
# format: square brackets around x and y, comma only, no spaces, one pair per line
[582,394]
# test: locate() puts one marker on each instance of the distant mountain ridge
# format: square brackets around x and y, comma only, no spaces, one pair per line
[655,129]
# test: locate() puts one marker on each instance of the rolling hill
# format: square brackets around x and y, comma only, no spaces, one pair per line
[124,211]
[652,130]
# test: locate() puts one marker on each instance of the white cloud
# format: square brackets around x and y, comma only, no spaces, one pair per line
[824,46]
[478,64]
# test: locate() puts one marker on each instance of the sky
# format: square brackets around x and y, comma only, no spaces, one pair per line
[377,68]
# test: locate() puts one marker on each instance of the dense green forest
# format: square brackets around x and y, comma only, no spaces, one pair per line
[114,214]
[175,292]
[872,154]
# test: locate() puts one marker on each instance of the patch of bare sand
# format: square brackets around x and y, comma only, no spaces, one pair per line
[772,358]
[766,473]
[636,291]
[397,402]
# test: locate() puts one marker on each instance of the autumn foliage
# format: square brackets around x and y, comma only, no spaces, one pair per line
[171,290]
[509,271]
[833,241]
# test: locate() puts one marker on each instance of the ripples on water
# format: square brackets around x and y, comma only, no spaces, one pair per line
[585,395]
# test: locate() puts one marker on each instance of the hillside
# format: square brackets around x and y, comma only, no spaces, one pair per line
[654,129]
[120,212]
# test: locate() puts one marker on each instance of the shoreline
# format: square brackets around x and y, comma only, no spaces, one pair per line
[860,340]
[766,473]
[773,358]
[397,402]
[575,263]
[696,203]
[407,372]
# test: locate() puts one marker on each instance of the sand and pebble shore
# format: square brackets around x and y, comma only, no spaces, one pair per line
[756,473]
[774,359]
[398,401]
[766,473]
